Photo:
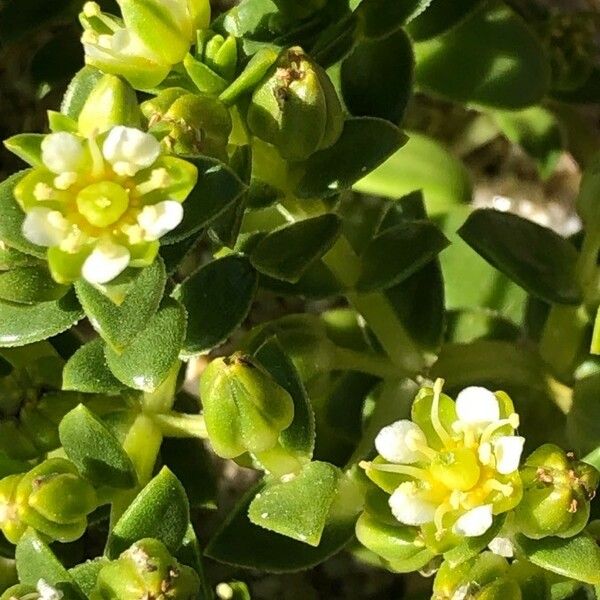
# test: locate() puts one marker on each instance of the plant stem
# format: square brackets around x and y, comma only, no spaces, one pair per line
[161,400]
[178,425]
[373,364]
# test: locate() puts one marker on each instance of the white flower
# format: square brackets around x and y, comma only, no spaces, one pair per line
[502,546]
[130,150]
[63,152]
[47,592]
[45,227]
[408,507]
[508,450]
[107,261]
[158,219]
[398,442]
[474,522]
[477,406]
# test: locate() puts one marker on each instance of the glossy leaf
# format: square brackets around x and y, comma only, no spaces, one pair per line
[377,76]
[289,251]
[143,370]
[536,258]
[35,561]
[298,507]
[11,224]
[509,70]
[422,164]
[217,298]
[217,189]
[30,285]
[159,511]
[576,557]
[22,324]
[86,371]
[399,252]
[95,451]
[365,143]
[119,324]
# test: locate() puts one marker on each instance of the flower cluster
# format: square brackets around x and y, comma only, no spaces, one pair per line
[101,203]
[454,465]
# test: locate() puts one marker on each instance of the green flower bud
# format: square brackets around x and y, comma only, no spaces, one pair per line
[111,102]
[244,407]
[218,53]
[557,490]
[51,498]
[296,107]
[190,123]
[146,570]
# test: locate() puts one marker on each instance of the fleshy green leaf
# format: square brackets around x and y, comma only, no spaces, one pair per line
[507,64]
[377,77]
[399,252]
[22,324]
[159,511]
[119,325]
[365,143]
[95,451]
[422,164]
[289,251]
[440,16]
[576,557]
[298,507]
[27,146]
[11,224]
[87,371]
[217,298]
[30,285]
[382,17]
[78,91]
[86,574]
[35,561]
[537,258]
[146,362]
[217,189]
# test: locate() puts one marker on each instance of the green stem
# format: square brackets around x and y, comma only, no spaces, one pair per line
[162,399]
[373,364]
[178,425]
[142,445]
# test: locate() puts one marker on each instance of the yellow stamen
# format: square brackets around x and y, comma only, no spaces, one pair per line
[488,432]
[412,443]
[97,158]
[493,485]
[42,191]
[159,179]
[400,469]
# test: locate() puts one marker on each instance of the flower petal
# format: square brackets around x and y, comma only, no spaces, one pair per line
[477,405]
[106,261]
[130,150]
[47,592]
[158,219]
[502,546]
[508,450]
[45,227]
[474,522]
[63,152]
[408,507]
[396,442]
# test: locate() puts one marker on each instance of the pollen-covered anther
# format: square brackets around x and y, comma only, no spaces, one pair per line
[91,9]
[159,179]
[43,192]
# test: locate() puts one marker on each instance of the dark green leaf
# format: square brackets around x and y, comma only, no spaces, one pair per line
[78,91]
[95,451]
[159,511]
[11,224]
[119,325]
[146,362]
[439,16]
[317,282]
[377,76]
[217,189]
[22,324]
[365,143]
[583,420]
[36,561]
[399,252]
[509,70]
[30,285]
[577,557]
[289,251]
[87,371]
[382,17]
[298,508]
[538,259]
[217,298]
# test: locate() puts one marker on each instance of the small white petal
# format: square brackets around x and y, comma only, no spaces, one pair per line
[396,442]
[508,450]
[62,152]
[105,262]
[129,150]
[462,592]
[408,507]
[502,546]
[45,227]
[47,592]
[477,405]
[158,219]
[474,522]
[484,453]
